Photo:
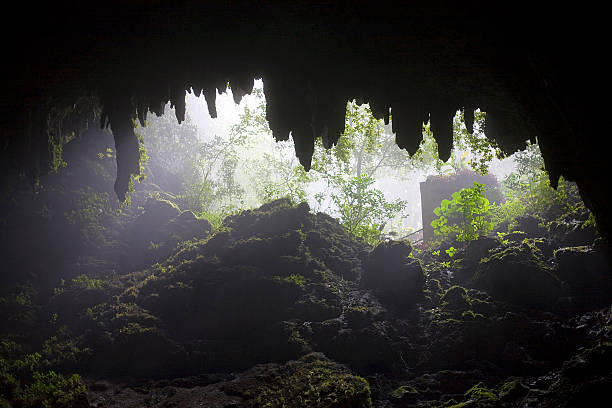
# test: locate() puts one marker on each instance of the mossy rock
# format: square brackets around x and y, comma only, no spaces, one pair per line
[371,347]
[270,219]
[156,233]
[587,274]
[518,275]
[467,258]
[156,212]
[229,301]
[133,336]
[479,396]
[397,278]
[314,381]
[405,393]
[513,390]
[532,226]
[359,316]
[455,298]
[186,226]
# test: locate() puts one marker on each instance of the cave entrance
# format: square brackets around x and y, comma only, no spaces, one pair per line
[232,162]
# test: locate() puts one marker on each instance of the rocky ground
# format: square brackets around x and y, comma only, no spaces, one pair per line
[280,307]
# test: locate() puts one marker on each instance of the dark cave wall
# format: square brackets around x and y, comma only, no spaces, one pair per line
[73,66]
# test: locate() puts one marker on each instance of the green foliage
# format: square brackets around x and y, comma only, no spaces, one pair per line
[314,382]
[283,177]
[482,394]
[200,173]
[528,190]
[506,212]
[89,214]
[53,390]
[295,279]
[23,384]
[513,390]
[85,282]
[464,217]
[364,211]
[479,149]
[18,310]
[403,390]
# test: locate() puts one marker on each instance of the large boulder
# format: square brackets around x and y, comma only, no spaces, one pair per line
[531,225]
[519,275]
[157,231]
[470,255]
[587,274]
[389,271]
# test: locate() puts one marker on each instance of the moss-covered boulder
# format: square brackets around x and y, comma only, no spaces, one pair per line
[519,275]
[513,390]
[312,381]
[156,212]
[157,231]
[455,298]
[237,298]
[532,226]
[395,277]
[372,347]
[134,337]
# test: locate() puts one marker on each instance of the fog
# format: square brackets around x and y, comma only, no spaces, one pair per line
[402,183]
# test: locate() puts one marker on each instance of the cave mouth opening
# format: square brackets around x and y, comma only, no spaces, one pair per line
[210,269]
[232,162]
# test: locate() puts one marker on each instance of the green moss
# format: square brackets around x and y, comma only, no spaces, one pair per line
[84,282]
[53,390]
[359,316]
[455,298]
[24,384]
[513,390]
[403,391]
[297,280]
[482,395]
[480,306]
[470,315]
[518,274]
[314,381]
[453,404]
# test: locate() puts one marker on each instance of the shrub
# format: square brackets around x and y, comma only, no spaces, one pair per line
[51,389]
[465,217]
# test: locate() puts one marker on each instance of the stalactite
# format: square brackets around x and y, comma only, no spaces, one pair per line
[210,95]
[142,112]
[178,100]
[407,126]
[442,128]
[468,118]
[303,142]
[118,110]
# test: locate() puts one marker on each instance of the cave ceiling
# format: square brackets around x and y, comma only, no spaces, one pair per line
[533,69]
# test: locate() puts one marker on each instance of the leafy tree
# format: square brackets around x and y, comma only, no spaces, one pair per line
[473,149]
[347,171]
[528,188]
[363,210]
[465,217]
[200,172]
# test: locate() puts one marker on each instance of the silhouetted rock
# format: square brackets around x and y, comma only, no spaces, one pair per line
[157,231]
[587,274]
[395,277]
[519,275]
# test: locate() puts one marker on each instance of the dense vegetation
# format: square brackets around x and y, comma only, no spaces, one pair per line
[212,289]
